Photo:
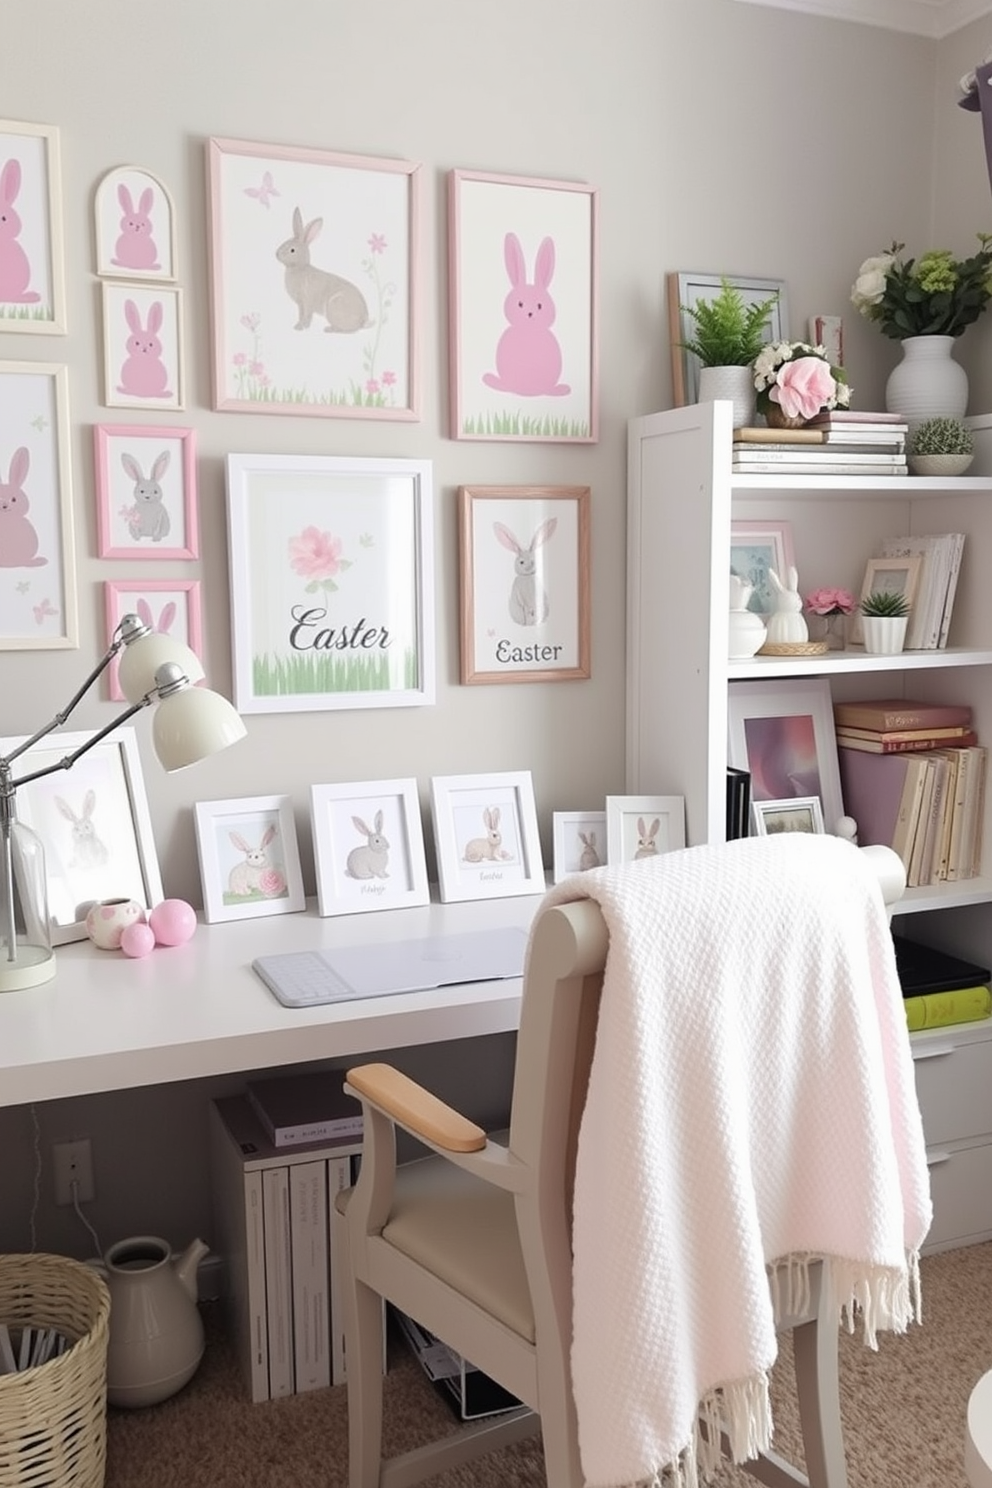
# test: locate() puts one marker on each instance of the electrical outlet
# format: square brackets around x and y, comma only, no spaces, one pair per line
[73,1162]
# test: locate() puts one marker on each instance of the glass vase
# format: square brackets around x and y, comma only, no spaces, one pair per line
[829,628]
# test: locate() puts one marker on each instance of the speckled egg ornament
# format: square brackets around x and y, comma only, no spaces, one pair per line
[173,922]
[107,921]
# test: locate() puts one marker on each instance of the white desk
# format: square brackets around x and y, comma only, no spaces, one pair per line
[107,1022]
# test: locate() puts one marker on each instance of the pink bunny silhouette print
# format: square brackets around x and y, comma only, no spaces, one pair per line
[165,619]
[15,267]
[528,357]
[135,248]
[143,373]
[18,539]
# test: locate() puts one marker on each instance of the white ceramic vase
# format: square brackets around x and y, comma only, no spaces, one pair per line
[928,382]
[156,1332]
[884,635]
[735,383]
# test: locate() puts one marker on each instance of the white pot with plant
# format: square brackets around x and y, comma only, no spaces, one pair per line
[728,334]
[884,618]
[941,446]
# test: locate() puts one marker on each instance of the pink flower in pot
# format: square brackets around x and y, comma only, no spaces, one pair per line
[803,387]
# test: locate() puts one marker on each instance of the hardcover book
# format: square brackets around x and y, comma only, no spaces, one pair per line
[879,744]
[887,714]
[941,1009]
[300,1109]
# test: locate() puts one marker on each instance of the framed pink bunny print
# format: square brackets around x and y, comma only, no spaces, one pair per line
[32,275]
[523,306]
[142,346]
[135,226]
[169,606]
[249,858]
[146,502]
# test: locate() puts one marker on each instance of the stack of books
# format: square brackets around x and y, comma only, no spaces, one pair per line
[930,616]
[838,443]
[913,778]
[939,989]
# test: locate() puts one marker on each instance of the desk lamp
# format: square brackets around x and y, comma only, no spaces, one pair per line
[190,723]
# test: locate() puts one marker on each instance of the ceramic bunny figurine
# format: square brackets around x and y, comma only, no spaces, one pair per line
[786,624]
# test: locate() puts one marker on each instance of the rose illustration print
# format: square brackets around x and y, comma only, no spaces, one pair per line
[528,356]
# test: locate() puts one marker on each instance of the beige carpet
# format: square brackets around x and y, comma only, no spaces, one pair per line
[903,1410]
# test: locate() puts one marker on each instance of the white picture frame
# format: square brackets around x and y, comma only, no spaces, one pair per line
[639,827]
[249,858]
[486,836]
[782,731]
[368,845]
[30,178]
[686,290]
[94,824]
[135,226]
[578,837]
[756,547]
[798,814]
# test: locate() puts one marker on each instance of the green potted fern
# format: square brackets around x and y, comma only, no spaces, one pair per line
[941,446]
[884,617]
[727,336]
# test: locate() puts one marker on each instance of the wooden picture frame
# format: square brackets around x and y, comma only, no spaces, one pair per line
[249,858]
[32,285]
[639,827]
[579,839]
[755,547]
[302,241]
[523,308]
[525,583]
[142,346]
[169,606]
[782,731]
[332,582]
[368,842]
[688,289]
[134,226]
[38,574]
[800,814]
[888,576]
[146,496]
[486,836]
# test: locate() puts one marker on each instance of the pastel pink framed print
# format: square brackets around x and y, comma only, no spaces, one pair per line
[135,226]
[314,262]
[142,346]
[167,606]
[32,282]
[146,491]
[522,317]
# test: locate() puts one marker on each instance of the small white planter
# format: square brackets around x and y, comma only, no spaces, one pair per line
[884,635]
[735,383]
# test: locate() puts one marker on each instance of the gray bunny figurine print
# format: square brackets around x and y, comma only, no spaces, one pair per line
[315,291]
[528,603]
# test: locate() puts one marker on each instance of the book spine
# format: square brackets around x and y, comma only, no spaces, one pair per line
[237,1202]
[311,1300]
[909,809]
[938,1009]
[305,1132]
[956,731]
[278,1280]
[338,1179]
[825,466]
[904,746]
[888,720]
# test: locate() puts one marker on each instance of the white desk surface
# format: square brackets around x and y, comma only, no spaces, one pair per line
[109,1022]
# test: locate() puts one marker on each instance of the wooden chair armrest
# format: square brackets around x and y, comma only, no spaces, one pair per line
[415,1109]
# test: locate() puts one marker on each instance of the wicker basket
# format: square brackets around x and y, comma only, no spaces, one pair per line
[53,1421]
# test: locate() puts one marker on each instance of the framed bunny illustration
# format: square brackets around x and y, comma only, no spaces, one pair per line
[135,226]
[95,826]
[579,842]
[523,309]
[142,346]
[368,846]
[249,858]
[639,827]
[486,836]
[525,582]
[146,491]
[32,273]
[169,606]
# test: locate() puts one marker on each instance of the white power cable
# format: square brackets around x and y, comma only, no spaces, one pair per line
[36,1196]
[74,1190]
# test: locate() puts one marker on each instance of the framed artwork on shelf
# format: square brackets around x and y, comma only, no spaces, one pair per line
[94,824]
[686,290]
[782,731]
[37,547]
[135,226]
[368,842]
[249,858]
[332,584]
[486,836]
[142,346]
[525,581]
[32,270]
[146,503]
[755,547]
[315,281]
[801,814]
[639,827]
[579,842]
[168,606]
[523,308]
[887,576]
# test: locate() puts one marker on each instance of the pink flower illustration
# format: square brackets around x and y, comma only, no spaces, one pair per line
[372,387]
[377,243]
[389,379]
[272,883]
[315,555]
[239,359]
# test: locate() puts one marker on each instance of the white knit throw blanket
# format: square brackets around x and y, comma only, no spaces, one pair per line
[751,1102]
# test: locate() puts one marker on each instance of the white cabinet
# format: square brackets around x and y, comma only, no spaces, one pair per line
[682,498]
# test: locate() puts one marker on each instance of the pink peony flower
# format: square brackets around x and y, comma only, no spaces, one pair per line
[831,602]
[272,883]
[803,386]
[315,555]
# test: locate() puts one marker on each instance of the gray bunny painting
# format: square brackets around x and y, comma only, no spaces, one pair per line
[528,602]
[88,851]
[371,859]
[149,517]
[315,291]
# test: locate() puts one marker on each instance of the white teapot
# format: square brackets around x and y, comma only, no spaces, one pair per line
[746,632]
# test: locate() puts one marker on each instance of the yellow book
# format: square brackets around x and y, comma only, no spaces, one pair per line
[937,1009]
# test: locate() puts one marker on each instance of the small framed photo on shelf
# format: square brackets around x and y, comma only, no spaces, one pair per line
[249,858]
[887,576]
[368,843]
[801,814]
[486,836]
[686,290]
[782,731]
[579,842]
[639,827]
[755,547]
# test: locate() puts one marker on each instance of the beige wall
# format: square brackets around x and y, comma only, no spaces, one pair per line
[722,137]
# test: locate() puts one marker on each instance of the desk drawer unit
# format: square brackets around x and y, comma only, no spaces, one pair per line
[953,1068]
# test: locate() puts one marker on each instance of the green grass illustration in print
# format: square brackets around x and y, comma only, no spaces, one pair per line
[300,675]
[523,426]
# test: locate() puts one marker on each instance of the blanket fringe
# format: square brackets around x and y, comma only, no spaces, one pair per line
[733,1421]
[887,1297]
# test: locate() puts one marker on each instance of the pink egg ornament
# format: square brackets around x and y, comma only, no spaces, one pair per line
[137,940]
[173,922]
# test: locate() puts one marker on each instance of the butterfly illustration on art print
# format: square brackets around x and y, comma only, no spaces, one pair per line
[42,611]
[263,192]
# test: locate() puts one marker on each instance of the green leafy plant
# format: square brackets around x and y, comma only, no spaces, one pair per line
[884,606]
[936,295]
[728,333]
[942,436]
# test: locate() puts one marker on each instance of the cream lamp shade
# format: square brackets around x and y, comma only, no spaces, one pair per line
[190,723]
[143,654]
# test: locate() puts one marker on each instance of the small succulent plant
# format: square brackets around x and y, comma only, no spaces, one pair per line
[942,436]
[884,605]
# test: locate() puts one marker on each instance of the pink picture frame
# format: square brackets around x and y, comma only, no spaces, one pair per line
[32,281]
[523,352]
[146,497]
[308,241]
[171,606]
[142,346]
